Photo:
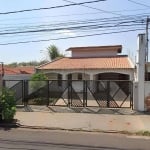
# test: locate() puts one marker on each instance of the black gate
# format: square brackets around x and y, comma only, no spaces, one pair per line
[66,93]
[110,94]
[74,93]
[17,87]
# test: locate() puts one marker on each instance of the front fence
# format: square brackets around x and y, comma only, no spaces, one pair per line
[74,93]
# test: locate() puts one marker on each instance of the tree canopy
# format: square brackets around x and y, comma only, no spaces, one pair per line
[53,52]
[30,63]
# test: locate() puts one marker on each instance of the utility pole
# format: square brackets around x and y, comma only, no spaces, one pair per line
[147,40]
[146,50]
[141,72]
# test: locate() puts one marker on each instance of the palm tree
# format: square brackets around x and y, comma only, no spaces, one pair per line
[53,52]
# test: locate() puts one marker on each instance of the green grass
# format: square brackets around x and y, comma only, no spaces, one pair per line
[143,133]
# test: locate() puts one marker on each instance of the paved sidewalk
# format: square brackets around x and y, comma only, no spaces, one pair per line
[84,121]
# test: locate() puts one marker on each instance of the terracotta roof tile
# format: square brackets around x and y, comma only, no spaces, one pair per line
[17,70]
[118,62]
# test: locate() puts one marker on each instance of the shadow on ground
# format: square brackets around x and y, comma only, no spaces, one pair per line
[8,125]
[92,110]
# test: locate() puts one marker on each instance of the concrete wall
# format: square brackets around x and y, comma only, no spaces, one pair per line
[147,88]
[135,93]
[15,77]
[147,93]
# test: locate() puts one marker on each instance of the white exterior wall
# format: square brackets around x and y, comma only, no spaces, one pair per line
[94,53]
[52,76]
[90,75]
[91,72]
[147,91]
[147,88]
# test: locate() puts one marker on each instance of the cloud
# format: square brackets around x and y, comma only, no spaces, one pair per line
[66,32]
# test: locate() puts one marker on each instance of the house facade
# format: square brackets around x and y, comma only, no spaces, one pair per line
[93,74]
[90,63]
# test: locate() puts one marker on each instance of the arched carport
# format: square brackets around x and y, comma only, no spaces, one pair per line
[112,76]
[78,76]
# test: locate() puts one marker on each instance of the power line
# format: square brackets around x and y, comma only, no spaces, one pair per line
[70,28]
[46,8]
[100,19]
[73,22]
[71,37]
[101,10]
[39,35]
[66,15]
[132,1]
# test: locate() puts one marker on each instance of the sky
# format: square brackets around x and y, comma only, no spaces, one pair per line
[58,22]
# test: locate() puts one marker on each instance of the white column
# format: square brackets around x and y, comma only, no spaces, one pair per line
[91,81]
[64,77]
[141,71]
[91,77]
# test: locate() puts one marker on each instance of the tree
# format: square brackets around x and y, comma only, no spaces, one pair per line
[7,104]
[30,63]
[38,80]
[38,85]
[53,52]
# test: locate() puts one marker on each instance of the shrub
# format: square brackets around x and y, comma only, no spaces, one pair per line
[37,81]
[7,103]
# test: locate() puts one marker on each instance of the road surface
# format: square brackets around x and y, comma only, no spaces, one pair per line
[27,139]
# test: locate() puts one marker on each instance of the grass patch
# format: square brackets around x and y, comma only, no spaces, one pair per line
[143,133]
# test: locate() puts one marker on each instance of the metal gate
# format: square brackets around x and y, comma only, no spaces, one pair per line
[110,94]
[107,94]
[74,93]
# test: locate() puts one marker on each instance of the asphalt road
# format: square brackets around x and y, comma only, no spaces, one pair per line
[26,139]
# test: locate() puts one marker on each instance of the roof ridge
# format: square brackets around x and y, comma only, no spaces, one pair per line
[131,62]
[49,62]
[117,56]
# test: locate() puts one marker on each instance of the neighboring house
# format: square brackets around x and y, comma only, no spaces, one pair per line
[18,73]
[91,63]
[10,74]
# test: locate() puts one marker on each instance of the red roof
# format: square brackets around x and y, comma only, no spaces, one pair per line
[17,70]
[117,62]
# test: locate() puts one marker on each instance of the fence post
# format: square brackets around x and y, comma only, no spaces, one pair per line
[69,93]
[47,93]
[131,94]
[84,93]
[3,83]
[108,92]
[22,91]
[25,92]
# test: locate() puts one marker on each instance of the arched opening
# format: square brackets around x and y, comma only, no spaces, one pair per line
[112,76]
[78,76]
[77,81]
[112,82]
[55,76]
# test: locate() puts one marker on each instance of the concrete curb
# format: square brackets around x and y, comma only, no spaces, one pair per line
[17,125]
[76,129]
